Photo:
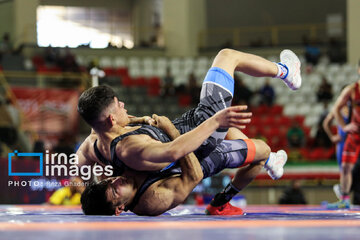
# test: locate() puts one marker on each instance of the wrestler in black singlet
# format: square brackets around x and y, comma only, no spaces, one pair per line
[228,154]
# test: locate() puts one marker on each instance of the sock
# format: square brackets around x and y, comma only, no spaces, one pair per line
[225,196]
[345,197]
[282,71]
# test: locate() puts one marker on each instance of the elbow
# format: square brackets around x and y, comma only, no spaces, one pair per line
[177,150]
[325,124]
[174,153]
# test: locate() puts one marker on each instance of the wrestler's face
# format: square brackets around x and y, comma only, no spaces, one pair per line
[119,191]
[120,113]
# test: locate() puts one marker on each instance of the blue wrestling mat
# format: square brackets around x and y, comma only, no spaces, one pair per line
[183,222]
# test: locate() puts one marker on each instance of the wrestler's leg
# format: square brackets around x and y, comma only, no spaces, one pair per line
[270,161]
[250,155]
[288,69]
[349,158]
[355,187]
[346,177]
[234,133]
[218,86]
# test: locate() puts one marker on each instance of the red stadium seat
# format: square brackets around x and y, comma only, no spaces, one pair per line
[255,121]
[123,72]
[127,82]
[184,100]
[284,121]
[276,110]
[269,120]
[299,119]
[38,61]
[46,69]
[154,85]
[141,81]
[109,71]
[321,153]
[261,110]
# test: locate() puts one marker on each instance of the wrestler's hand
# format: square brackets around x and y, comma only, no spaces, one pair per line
[233,117]
[351,128]
[141,120]
[166,125]
[335,138]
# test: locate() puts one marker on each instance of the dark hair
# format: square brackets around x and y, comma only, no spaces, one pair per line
[93,101]
[94,202]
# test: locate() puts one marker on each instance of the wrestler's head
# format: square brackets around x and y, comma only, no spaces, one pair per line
[107,197]
[101,109]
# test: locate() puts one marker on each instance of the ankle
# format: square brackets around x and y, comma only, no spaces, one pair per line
[345,197]
[270,160]
[282,71]
[225,196]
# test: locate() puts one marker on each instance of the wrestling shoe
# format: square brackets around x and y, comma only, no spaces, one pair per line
[226,210]
[337,191]
[275,164]
[289,60]
[342,204]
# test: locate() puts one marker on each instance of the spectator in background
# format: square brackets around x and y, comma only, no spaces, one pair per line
[295,135]
[336,51]
[9,122]
[321,138]
[39,146]
[293,194]
[267,94]
[65,145]
[312,51]
[68,63]
[69,195]
[168,84]
[5,45]
[51,55]
[193,89]
[242,94]
[324,93]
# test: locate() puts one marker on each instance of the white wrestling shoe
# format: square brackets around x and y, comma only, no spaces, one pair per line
[337,191]
[293,64]
[275,164]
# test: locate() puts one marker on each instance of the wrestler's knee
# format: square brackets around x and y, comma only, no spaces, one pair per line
[225,52]
[262,149]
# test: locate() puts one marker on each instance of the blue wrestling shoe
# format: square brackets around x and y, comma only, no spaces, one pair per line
[342,204]
[289,60]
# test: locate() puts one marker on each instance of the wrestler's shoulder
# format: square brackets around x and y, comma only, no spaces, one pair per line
[88,143]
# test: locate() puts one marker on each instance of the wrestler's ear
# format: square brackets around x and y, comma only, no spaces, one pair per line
[119,209]
[111,120]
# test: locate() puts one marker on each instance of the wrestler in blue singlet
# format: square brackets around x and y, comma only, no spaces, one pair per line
[340,145]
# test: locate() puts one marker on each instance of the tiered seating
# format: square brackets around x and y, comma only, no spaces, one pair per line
[272,123]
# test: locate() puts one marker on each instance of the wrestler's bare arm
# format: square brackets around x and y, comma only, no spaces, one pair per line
[340,103]
[172,191]
[140,152]
[84,152]
[166,125]
[326,125]
[140,120]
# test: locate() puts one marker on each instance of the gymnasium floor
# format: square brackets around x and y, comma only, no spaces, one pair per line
[183,222]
